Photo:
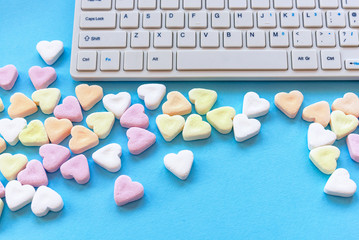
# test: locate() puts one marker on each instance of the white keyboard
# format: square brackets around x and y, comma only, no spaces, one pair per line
[215,39]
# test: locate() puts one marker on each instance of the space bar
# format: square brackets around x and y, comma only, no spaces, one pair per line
[232,60]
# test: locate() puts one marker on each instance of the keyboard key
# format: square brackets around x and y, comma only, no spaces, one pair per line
[350,3]
[260,4]
[220,20]
[97,20]
[349,38]
[214,4]
[140,39]
[133,61]
[152,20]
[289,20]
[237,4]
[335,19]
[175,20]
[102,39]
[256,39]
[331,60]
[326,38]
[147,4]
[232,39]
[86,61]
[162,39]
[192,4]
[99,4]
[159,60]
[266,19]
[209,39]
[186,39]
[302,38]
[110,61]
[232,60]
[312,19]
[354,19]
[328,4]
[306,4]
[352,64]
[279,38]
[129,20]
[197,20]
[125,4]
[243,20]
[283,4]
[170,4]
[304,60]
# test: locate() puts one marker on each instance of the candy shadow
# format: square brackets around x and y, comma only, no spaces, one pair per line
[50,216]
[132,205]
[343,201]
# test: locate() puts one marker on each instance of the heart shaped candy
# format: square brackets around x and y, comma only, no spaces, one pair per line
[88,96]
[50,51]
[47,99]
[353,146]
[203,99]
[8,76]
[325,158]
[318,136]
[134,117]
[57,129]
[2,190]
[101,123]
[1,206]
[82,139]
[254,106]
[2,145]
[139,140]
[34,134]
[349,104]
[109,157]
[170,126]
[195,128]
[2,107]
[69,109]
[340,184]
[54,156]
[152,94]
[117,104]
[45,200]
[17,195]
[127,191]
[245,128]
[42,77]
[21,106]
[342,124]
[176,104]
[222,119]
[34,174]
[11,165]
[318,112]
[289,103]
[179,164]
[10,129]
[76,168]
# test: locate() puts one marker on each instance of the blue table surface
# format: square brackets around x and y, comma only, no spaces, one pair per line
[264,188]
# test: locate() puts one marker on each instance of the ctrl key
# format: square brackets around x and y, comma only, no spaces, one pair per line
[87,61]
[352,64]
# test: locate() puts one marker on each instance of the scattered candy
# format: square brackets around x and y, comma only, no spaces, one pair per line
[53,156]
[11,165]
[45,200]
[254,106]
[34,174]
[82,139]
[109,157]
[69,109]
[101,123]
[139,140]
[21,106]
[222,119]
[245,128]
[57,129]
[10,129]
[353,146]
[117,104]
[88,96]
[8,76]
[340,184]
[126,190]
[2,108]
[289,103]
[318,112]
[195,128]
[325,158]
[17,195]
[349,104]
[47,99]
[76,168]
[203,99]
[179,164]
[34,134]
[135,117]
[176,104]
[342,124]
[50,51]
[42,77]
[2,190]
[318,136]
[2,145]
[170,126]
[152,94]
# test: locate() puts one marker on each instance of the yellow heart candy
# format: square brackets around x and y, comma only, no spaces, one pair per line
[222,119]
[195,128]
[325,158]
[203,99]
[341,124]
[1,106]
[47,99]
[170,126]
[11,165]
[101,123]
[1,206]
[2,145]
[34,134]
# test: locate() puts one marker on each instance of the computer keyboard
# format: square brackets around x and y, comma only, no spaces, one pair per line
[215,40]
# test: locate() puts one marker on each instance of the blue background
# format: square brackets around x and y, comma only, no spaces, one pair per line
[264,188]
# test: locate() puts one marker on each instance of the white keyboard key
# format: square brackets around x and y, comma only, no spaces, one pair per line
[243,20]
[266,19]
[152,20]
[260,4]
[159,60]
[256,39]
[125,4]
[237,4]
[110,61]
[97,20]
[133,61]
[349,38]
[129,20]
[209,39]
[354,19]
[352,64]
[162,39]
[99,4]
[232,39]
[350,3]
[312,19]
[102,39]
[306,4]
[192,4]
[186,39]
[197,20]
[302,38]
[140,39]
[283,4]
[279,38]
[170,4]
[304,60]
[175,20]
[147,4]
[335,19]
[331,60]
[220,19]
[328,4]
[289,20]
[214,4]
[326,38]
[86,61]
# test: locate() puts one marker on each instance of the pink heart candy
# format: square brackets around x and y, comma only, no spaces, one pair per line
[34,174]
[353,146]
[54,156]
[42,77]
[77,168]
[70,109]
[8,76]
[139,140]
[134,117]
[127,191]
[2,190]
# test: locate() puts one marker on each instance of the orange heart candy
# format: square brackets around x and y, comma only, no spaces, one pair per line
[289,103]
[82,139]
[88,96]
[21,106]
[318,112]
[349,104]
[57,129]
[176,104]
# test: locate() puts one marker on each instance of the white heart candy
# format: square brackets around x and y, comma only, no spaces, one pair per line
[50,51]
[152,94]
[340,184]
[253,106]
[318,136]
[10,129]
[108,157]
[17,195]
[45,200]
[179,164]
[117,104]
[245,128]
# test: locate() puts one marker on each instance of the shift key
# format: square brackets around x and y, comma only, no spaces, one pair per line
[102,39]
